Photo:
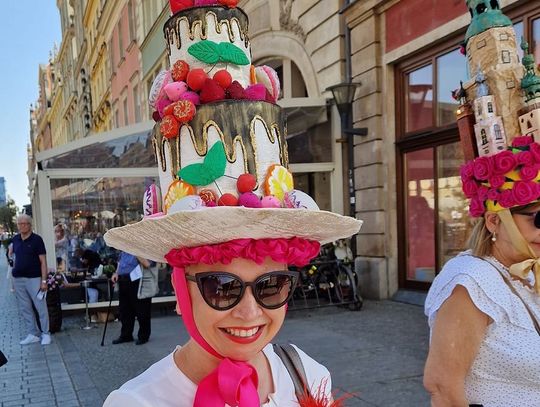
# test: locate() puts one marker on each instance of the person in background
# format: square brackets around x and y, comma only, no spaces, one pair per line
[9,256]
[30,280]
[130,305]
[61,246]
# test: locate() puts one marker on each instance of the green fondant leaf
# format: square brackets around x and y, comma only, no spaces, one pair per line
[210,170]
[215,161]
[205,51]
[231,53]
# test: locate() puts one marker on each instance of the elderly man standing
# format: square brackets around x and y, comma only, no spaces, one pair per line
[30,280]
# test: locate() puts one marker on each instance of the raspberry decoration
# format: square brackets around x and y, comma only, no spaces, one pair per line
[169,127]
[184,111]
[180,70]
[211,92]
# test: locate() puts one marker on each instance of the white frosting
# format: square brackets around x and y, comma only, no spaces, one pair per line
[240,73]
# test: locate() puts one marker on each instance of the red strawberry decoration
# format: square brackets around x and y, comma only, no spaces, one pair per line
[211,92]
[168,111]
[246,183]
[179,5]
[183,111]
[196,78]
[228,3]
[169,127]
[236,91]
[179,71]
[223,78]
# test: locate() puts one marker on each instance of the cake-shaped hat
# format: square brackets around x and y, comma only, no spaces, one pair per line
[499,116]
[220,145]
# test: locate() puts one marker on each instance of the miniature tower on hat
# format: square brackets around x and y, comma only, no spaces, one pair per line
[492,48]
[529,121]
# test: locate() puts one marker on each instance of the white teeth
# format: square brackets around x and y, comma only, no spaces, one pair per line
[242,333]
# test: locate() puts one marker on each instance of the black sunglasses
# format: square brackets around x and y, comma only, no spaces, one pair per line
[531,214]
[223,291]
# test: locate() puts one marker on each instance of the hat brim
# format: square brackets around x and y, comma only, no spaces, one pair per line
[153,238]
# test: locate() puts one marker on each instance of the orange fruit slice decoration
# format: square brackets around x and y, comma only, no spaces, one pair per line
[278,181]
[177,190]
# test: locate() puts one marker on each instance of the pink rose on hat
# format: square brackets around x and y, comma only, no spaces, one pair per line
[467,171]
[521,141]
[470,188]
[476,208]
[506,199]
[493,195]
[503,162]
[483,168]
[528,172]
[524,192]
[534,148]
[525,158]
[497,181]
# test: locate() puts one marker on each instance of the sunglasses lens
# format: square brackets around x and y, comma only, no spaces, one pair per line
[221,291]
[537,220]
[274,290]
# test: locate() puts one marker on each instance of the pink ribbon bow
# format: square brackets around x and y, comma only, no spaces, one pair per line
[231,383]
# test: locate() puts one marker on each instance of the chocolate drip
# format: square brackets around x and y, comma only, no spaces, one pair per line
[196,16]
[234,121]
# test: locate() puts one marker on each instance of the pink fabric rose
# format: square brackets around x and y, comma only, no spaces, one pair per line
[525,158]
[506,199]
[497,181]
[470,187]
[534,148]
[503,162]
[482,192]
[521,141]
[476,208]
[483,168]
[493,195]
[524,192]
[467,170]
[528,173]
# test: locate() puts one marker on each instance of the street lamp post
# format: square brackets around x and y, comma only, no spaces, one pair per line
[343,94]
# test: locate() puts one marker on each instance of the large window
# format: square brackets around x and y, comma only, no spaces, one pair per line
[435,222]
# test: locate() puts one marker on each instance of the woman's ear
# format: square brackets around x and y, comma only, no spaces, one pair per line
[492,221]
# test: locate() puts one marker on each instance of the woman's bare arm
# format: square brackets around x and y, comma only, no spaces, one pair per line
[459,330]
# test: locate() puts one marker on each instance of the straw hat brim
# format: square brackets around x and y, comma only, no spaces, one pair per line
[153,237]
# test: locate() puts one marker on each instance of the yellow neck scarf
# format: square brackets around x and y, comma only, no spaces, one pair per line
[532,263]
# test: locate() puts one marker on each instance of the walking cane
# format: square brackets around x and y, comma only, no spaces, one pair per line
[107,319]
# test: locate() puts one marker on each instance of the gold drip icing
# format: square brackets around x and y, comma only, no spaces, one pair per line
[198,18]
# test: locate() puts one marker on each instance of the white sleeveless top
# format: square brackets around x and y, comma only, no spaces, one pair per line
[164,385]
[506,371]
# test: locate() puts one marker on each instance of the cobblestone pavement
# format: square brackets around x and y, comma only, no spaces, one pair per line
[377,353]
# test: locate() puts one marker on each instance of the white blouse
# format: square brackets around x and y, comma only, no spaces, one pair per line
[164,385]
[506,371]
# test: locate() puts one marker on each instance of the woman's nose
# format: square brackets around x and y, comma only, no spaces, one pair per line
[247,308]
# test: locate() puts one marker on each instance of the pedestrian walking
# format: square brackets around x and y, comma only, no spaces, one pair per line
[30,280]
[128,275]
[9,256]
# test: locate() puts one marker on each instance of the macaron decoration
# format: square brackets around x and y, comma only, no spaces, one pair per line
[269,78]
[152,200]
[162,79]
[174,90]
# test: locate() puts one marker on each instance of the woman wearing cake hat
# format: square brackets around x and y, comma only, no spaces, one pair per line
[232,224]
[484,306]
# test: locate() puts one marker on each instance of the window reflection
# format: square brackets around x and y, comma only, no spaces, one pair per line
[451,69]
[313,145]
[420,215]
[536,39]
[420,99]
[454,220]
[134,151]
[518,28]
[316,185]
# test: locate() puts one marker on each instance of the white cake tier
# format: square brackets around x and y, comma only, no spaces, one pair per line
[212,23]
[253,134]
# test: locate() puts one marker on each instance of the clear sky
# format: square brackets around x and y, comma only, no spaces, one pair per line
[28,32]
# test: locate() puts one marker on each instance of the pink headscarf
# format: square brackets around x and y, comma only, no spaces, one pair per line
[233,382]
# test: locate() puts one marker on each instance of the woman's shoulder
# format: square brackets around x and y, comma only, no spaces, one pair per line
[156,381]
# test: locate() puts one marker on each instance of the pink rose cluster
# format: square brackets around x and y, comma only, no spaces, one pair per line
[483,177]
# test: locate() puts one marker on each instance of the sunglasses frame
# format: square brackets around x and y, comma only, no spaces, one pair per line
[197,278]
[535,214]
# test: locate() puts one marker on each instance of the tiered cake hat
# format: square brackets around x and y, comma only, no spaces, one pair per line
[499,118]
[220,145]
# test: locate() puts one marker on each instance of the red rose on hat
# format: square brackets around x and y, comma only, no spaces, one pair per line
[506,199]
[503,162]
[524,192]
[470,187]
[483,168]
[476,207]
[482,192]
[528,172]
[467,170]
[525,158]
[521,141]
[497,181]
[534,148]
[493,194]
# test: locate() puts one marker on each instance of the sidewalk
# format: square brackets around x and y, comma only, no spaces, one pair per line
[377,353]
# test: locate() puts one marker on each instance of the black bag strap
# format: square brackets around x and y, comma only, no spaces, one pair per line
[291,359]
